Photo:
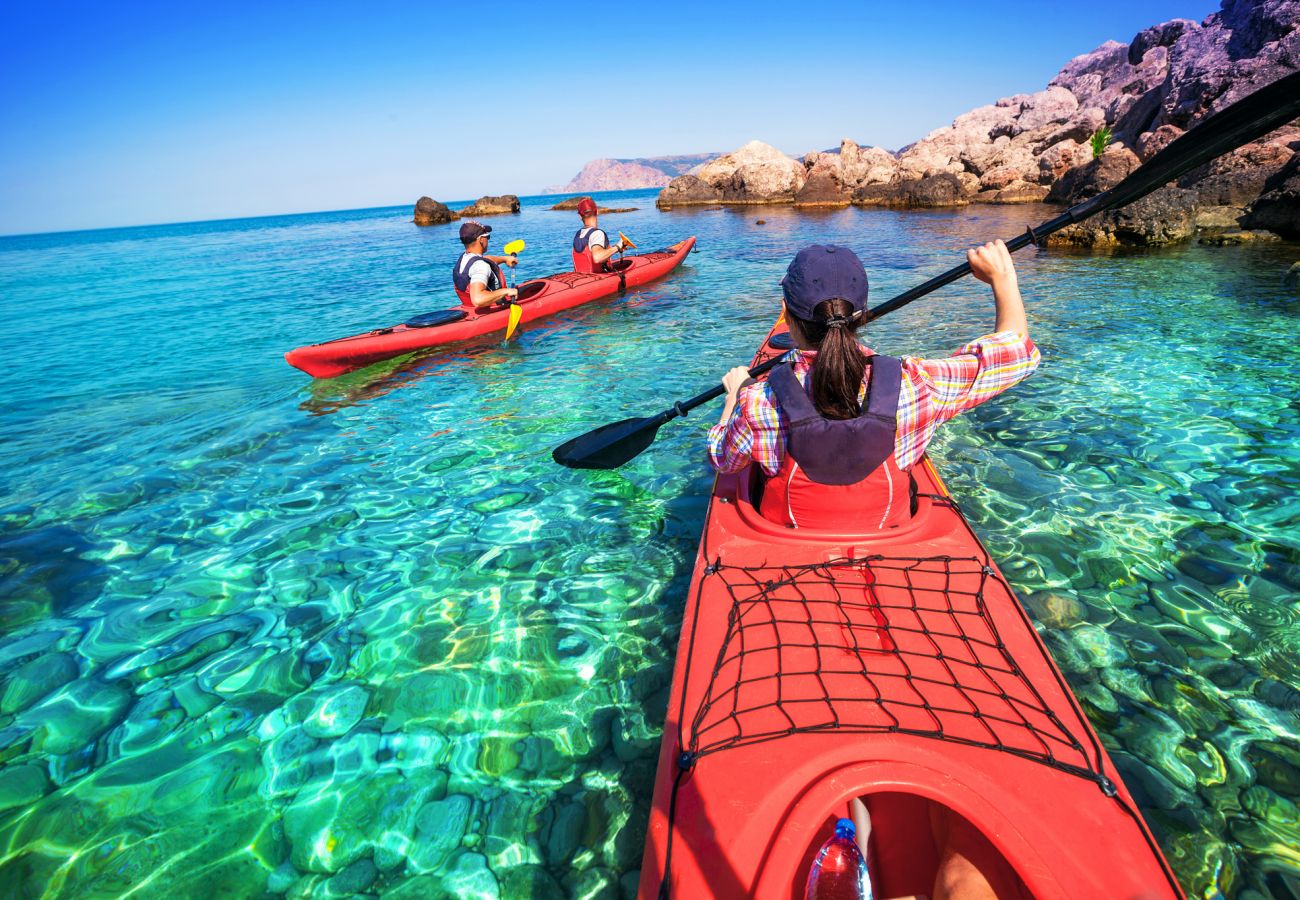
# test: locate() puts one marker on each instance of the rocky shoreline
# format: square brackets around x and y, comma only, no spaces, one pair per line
[430,212]
[1046,146]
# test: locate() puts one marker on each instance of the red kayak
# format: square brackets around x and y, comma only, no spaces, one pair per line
[538,298]
[816,667]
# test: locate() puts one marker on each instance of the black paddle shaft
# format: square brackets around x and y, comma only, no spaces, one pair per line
[1250,118]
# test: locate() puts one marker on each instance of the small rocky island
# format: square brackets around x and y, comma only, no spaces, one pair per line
[430,212]
[1101,117]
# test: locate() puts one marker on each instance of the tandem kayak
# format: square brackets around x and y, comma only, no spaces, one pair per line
[539,297]
[898,667]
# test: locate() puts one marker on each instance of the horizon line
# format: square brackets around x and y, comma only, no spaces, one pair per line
[310,212]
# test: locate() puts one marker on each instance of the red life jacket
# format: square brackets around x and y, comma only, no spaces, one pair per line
[840,475]
[583,261]
[460,278]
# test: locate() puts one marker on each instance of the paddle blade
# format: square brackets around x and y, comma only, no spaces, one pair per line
[626,242]
[516,313]
[609,446]
[514,247]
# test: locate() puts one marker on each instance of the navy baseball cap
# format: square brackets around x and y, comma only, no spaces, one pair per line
[472,231]
[824,272]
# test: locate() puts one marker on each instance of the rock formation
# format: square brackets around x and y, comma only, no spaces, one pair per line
[1034,147]
[629,174]
[490,206]
[430,212]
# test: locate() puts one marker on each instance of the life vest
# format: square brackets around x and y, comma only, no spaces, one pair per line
[460,277]
[583,261]
[840,475]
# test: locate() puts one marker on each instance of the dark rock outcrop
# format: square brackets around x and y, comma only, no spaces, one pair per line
[922,193]
[430,212]
[1163,217]
[491,206]
[687,190]
[1278,207]
[822,189]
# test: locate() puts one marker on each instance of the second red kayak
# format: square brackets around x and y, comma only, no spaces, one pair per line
[537,298]
[816,667]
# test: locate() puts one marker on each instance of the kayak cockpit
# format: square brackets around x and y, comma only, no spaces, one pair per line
[915,840]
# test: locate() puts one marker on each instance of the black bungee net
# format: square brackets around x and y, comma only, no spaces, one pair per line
[876,645]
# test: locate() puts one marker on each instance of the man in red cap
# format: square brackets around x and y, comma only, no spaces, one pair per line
[591,247]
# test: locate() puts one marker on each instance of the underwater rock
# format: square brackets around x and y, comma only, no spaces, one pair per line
[441,828]
[353,880]
[530,881]
[37,678]
[596,882]
[22,786]
[470,876]
[1292,277]
[1055,610]
[337,711]
[77,716]
[563,836]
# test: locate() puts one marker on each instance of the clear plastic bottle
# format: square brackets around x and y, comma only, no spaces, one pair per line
[839,872]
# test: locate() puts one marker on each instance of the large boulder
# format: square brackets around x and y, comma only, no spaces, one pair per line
[430,212]
[756,173]
[1278,207]
[1094,176]
[865,165]
[1020,192]
[1238,178]
[687,190]
[1060,158]
[932,191]
[491,206]
[1163,217]
[822,189]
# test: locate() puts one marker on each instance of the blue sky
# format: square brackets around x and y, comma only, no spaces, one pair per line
[136,113]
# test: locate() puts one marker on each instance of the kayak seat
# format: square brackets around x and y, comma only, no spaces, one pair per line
[618,265]
[431,319]
[530,289]
[753,482]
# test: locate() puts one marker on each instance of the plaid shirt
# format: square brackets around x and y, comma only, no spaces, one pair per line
[932,392]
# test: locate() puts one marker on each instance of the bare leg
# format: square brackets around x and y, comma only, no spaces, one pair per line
[958,878]
[861,826]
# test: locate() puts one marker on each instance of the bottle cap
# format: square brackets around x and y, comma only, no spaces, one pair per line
[845,826]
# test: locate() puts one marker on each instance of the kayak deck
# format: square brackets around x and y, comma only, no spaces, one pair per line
[537,298]
[816,667]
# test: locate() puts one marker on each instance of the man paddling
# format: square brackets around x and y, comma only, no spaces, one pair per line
[591,249]
[477,276]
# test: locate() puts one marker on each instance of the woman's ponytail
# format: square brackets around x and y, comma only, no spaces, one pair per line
[840,366]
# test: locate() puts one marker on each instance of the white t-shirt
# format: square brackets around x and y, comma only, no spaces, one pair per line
[479,272]
[597,238]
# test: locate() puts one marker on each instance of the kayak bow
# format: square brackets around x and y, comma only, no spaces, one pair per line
[815,667]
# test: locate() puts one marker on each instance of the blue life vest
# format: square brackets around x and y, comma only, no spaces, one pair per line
[460,277]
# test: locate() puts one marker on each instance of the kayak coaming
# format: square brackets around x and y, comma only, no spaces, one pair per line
[558,292]
[746,821]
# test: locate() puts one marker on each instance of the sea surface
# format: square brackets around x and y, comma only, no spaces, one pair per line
[261,634]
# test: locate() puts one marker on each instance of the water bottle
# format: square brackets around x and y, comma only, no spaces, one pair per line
[839,872]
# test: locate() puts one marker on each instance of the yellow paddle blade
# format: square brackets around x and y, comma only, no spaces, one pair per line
[516,313]
[514,247]
[627,242]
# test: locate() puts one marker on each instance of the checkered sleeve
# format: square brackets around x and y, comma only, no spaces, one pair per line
[755,431]
[974,373]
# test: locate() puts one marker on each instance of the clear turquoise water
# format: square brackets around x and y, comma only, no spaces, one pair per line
[262,634]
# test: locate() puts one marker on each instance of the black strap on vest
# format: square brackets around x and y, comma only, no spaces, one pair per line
[843,451]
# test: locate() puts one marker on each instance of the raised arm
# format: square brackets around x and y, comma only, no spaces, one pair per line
[992,265]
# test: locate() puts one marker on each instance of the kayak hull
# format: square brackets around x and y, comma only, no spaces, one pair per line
[958,702]
[544,297]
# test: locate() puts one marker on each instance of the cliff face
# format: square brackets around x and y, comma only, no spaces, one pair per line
[630,174]
[1032,147]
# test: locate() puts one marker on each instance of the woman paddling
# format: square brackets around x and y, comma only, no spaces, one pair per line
[837,430]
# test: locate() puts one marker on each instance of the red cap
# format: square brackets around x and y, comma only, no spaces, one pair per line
[587,207]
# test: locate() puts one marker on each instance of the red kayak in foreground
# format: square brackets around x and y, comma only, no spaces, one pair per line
[815,667]
[538,298]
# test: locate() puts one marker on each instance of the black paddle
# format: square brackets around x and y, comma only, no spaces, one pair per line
[609,446]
